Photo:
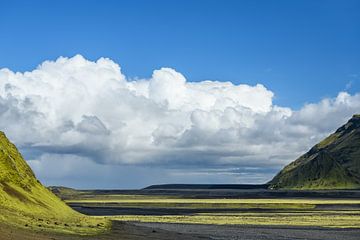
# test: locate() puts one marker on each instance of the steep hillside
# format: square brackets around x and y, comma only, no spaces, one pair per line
[25,203]
[334,163]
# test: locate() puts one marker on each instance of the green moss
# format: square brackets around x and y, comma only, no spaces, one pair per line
[329,140]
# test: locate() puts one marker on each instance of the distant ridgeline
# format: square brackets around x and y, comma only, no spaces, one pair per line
[334,163]
[208,186]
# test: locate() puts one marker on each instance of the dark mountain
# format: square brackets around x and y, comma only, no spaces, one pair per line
[207,186]
[334,163]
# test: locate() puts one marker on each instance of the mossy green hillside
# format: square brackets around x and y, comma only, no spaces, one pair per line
[25,202]
[334,163]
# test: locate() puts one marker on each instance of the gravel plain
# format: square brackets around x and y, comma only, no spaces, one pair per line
[256,232]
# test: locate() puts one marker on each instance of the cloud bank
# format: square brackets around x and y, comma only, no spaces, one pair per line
[74,110]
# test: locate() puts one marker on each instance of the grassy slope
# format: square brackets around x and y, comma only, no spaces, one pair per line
[334,163]
[25,203]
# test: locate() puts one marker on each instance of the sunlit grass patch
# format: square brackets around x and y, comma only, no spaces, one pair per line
[154,199]
[315,219]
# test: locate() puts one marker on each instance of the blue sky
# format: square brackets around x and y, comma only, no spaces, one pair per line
[302,50]
[81,122]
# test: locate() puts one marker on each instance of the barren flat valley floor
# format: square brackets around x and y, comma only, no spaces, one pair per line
[144,231]
[213,214]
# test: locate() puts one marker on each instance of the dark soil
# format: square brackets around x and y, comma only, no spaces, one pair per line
[257,232]
[118,210]
[167,231]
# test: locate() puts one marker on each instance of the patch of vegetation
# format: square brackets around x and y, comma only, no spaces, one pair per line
[329,140]
[315,219]
[152,199]
[65,192]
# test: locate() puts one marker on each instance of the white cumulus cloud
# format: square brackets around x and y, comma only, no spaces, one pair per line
[90,110]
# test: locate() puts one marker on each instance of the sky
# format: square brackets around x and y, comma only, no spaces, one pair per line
[124,94]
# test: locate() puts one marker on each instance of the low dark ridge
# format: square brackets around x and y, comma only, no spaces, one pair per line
[208,186]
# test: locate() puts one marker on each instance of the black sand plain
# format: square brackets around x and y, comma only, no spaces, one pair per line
[162,231]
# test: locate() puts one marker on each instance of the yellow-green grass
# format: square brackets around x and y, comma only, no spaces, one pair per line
[79,225]
[40,210]
[82,196]
[314,219]
[327,141]
[152,199]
